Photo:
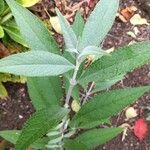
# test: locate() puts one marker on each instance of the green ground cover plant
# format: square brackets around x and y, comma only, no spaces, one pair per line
[49,71]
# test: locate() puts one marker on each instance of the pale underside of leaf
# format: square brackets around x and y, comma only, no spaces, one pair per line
[92,50]
[35,64]
[38,39]
[68,33]
[99,23]
[78,24]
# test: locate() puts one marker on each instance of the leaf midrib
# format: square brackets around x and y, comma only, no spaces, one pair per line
[95,110]
[111,66]
[32,28]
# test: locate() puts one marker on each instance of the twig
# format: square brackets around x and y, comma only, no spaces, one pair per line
[88,93]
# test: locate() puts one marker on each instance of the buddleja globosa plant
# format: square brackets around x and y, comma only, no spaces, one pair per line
[49,71]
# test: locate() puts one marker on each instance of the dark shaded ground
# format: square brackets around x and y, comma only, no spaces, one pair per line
[17,108]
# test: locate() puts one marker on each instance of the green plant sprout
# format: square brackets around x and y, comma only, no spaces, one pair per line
[49,71]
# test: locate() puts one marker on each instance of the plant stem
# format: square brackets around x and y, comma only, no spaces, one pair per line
[88,93]
[72,84]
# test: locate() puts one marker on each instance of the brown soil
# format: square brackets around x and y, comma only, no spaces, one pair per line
[17,108]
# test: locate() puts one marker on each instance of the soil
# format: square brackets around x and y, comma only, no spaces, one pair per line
[17,108]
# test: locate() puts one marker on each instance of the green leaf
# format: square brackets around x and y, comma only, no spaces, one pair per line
[78,24]
[39,124]
[28,3]
[1,32]
[46,94]
[105,105]
[92,50]
[75,145]
[40,38]
[107,83]
[13,31]
[120,62]
[69,35]
[3,91]
[72,50]
[99,23]
[93,138]
[13,135]
[10,135]
[2,6]
[35,63]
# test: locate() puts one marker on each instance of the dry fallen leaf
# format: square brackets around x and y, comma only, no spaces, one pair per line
[136,30]
[127,13]
[56,24]
[132,42]
[130,113]
[3,51]
[138,20]
[110,50]
[132,34]
[125,127]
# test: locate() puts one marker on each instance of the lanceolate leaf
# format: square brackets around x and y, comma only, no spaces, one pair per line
[13,135]
[74,145]
[2,6]
[120,62]
[107,83]
[78,24]
[99,23]
[33,30]
[39,39]
[13,31]
[92,50]
[90,139]
[10,135]
[46,94]
[34,64]
[105,105]
[38,125]
[69,35]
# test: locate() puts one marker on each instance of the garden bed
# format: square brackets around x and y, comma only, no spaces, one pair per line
[17,108]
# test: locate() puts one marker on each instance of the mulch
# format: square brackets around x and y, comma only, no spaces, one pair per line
[17,108]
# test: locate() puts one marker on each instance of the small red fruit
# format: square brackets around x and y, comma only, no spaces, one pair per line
[140,129]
